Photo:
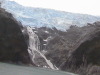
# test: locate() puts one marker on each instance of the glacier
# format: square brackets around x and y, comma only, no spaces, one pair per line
[39,17]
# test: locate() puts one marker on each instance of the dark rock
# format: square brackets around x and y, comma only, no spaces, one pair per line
[13,47]
[87,50]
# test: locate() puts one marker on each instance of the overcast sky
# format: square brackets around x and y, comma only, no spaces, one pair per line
[77,6]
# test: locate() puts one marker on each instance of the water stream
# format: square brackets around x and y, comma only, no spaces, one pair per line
[37,57]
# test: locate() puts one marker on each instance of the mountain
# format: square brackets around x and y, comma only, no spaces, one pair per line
[40,17]
[77,50]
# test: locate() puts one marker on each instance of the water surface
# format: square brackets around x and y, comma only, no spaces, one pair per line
[10,69]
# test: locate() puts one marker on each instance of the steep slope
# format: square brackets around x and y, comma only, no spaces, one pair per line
[84,55]
[88,51]
[13,46]
[76,50]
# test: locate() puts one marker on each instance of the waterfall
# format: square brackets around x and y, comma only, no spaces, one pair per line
[37,57]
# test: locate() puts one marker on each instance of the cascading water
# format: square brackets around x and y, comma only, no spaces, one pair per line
[37,57]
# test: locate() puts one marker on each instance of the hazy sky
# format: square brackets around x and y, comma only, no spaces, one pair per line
[77,6]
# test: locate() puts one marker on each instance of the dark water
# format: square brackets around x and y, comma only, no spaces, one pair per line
[9,69]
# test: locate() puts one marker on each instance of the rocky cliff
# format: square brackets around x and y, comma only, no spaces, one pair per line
[13,47]
[74,50]
[84,55]
[87,50]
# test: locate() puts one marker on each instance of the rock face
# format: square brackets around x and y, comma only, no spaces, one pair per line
[73,48]
[87,51]
[52,45]
[13,47]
